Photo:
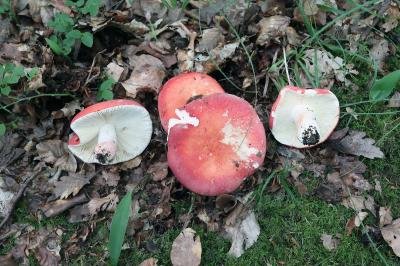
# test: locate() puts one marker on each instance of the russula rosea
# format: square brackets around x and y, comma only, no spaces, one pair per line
[303,118]
[180,90]
[223,143]
[110,132]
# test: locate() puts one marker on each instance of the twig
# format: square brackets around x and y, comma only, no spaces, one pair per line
[18,196]
[286,66]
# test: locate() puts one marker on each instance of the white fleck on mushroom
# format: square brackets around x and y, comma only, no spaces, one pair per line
[304,118]
[110,132]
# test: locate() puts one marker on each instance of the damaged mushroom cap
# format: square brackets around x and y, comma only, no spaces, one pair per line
[110,132]
[226,145]
[304,118]
[180,90]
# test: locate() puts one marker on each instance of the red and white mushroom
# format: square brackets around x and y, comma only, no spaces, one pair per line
[225,145]
[180,90]
[304,118]
[110,132]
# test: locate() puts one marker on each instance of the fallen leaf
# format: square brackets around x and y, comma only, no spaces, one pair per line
[394,102]
[226,202]
[114,71]
[5,202]
[186,249]
[391,234]
[385,216]
[149,262]
[392,18]
[147,75]
[356,144]
[56,152]
[243,234]
[359,218]
[379,52]
[68,110]
[69,185]
[103,204]
[271,28]
[359,203]
[378,186]
[56,207]
[108,178]
[46,257]
[158,171]
[210,38]
[329,242]
[8,150]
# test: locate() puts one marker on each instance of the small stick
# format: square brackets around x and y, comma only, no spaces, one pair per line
[286,66]
[18,196]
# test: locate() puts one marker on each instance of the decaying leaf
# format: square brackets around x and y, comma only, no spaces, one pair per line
[103,204]
[329,242]
[243,234]
[158,171]
[379,52]
[391,234]
[114,71]
[394,101]
[359,218]
[149,262]
[147,75]
[5,202]
[356,144]
[68,110]
[69,185]
[210,39]
[186,249]
[385,216]
[271,28]
[56,152]
[359,203]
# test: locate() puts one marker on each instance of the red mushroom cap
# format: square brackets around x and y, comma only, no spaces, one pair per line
[177,91]
[228,144]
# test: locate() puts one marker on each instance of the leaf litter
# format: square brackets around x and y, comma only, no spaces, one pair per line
[156,43]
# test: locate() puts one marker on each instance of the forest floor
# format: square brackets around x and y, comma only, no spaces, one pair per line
[333,204]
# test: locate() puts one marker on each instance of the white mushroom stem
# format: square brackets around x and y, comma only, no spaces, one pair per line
[307,127]
[106,147]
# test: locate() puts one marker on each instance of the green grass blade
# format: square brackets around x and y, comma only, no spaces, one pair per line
[383,87]
[118,227]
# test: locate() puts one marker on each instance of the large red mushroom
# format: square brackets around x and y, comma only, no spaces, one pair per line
[215,154]
[180,90]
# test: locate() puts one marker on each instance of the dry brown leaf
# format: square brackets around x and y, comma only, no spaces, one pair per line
[210,39]
[69,185]
[5,202]
[392,18]
[56,207]
[379,52]
[359,203]
[378,186]
[243,234]
[359,218]
[149,262]
[186,249]
[394,101]
[158,171]
[356,143]
[329,242]
[147,75]
[114,71]
[47,257]
[271,28]
[108,178]
[68,110]
[391,234]
[103,204]
[56,152]
[385,216]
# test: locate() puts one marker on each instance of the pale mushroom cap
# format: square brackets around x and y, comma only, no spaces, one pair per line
[322,102]
[132,124]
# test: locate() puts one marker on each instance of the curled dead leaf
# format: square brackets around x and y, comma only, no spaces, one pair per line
[391,234]
[56,152]
[355,143]
[271,28]
[186,249]
[329,242]
[385,216]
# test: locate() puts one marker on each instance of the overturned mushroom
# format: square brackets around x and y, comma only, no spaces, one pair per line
[180,90]
[224,146]
[110,132]
[304,117]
